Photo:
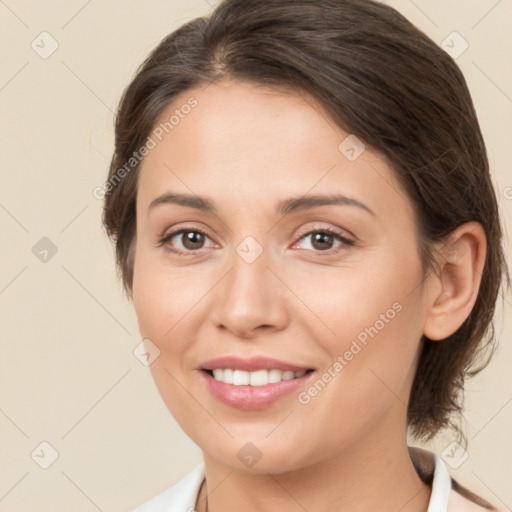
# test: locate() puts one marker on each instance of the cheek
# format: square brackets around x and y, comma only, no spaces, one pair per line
[342,302]
[164,300]
[164,296]
[369,320]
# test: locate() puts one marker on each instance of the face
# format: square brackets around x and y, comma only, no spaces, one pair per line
[332,286]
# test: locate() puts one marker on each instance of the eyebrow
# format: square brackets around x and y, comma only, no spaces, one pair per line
[284,207]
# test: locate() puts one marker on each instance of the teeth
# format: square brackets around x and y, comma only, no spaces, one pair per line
[227,376]
[240,378]
[274,376]
[256,378]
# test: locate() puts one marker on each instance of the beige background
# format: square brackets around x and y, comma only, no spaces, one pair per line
[68,375]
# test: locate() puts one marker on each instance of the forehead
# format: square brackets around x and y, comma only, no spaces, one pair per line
[256,141]
[244,117]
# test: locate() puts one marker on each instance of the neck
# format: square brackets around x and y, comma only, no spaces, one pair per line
[367,476]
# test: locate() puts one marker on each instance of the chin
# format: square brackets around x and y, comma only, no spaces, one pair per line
[254,456]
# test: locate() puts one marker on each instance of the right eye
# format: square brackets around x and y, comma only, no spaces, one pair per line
[190,239]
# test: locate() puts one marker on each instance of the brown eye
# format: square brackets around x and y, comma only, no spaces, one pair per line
[185,240]
[192,240]
[322,241]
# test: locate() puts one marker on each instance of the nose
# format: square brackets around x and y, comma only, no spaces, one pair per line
[250,299]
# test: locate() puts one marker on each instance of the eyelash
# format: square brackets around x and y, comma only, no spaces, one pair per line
[348,243]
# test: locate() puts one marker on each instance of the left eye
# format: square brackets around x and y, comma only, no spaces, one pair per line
[323,240]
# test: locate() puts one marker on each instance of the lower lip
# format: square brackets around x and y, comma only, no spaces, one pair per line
[253,397]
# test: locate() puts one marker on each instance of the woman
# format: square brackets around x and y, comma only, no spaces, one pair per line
[305,221]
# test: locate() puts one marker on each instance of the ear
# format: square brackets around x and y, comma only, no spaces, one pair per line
[460,259]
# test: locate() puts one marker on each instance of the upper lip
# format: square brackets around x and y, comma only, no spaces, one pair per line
[251,364]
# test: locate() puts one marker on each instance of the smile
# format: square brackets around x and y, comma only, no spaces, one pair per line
[256,378]
[254,390]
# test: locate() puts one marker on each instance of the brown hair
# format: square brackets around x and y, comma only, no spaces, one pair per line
[379,78]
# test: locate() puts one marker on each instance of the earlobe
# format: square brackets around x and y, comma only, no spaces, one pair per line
[460,260]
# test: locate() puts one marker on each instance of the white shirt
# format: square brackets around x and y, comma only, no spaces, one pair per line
[182,496]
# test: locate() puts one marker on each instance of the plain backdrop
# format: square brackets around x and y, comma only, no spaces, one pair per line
[68,376]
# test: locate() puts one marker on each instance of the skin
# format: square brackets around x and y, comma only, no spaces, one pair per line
[246,148]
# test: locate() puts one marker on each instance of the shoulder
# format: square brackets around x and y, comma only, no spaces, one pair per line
[181,497]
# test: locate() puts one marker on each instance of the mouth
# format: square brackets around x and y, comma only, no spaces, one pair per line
[254,383]
[262,377]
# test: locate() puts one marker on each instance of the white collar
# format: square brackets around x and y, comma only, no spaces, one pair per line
[182,496]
